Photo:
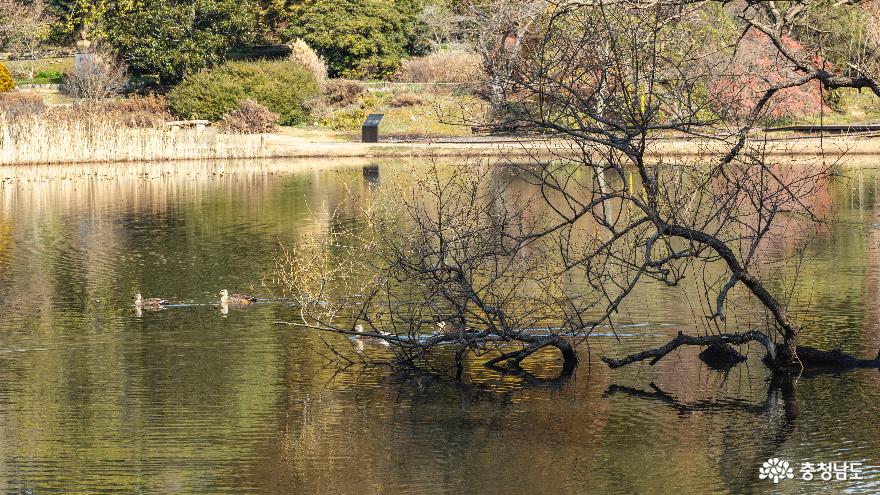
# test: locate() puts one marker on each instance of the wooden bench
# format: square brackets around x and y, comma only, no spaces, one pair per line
[198,124]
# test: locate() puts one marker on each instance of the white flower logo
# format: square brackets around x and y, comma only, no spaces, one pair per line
[776,470]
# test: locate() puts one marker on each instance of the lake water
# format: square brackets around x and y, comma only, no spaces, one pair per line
[95,398]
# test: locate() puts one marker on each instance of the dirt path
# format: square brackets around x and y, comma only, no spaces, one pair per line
[854,148]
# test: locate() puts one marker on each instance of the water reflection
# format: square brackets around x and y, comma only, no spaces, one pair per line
[196,398]
[371,174]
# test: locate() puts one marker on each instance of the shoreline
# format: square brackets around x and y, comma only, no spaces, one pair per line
[288,145]
[284,146]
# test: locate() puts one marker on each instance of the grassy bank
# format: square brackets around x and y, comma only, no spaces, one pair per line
[412,111]
[319,143]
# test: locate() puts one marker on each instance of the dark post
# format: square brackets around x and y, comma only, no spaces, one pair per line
[370,129]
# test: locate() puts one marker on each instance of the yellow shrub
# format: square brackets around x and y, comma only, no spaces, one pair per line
[6,82]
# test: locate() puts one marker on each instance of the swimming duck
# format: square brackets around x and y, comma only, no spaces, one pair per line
[369,338]
[150,302]
[240,299]
[360,329]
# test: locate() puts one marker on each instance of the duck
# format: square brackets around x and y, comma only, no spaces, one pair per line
[150,302]
[360,329]
[239,299]
[360,340]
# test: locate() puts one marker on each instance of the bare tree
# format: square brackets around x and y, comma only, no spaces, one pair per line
[438,263]
[497,30]
[97,76]
[624,74]
[797,21]
[439,21]
[24,27]
[469,266]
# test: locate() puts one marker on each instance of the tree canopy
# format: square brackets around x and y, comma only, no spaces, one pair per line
[175,39]
[358,38]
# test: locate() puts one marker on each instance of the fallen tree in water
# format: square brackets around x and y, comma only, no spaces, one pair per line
[806,356]
[629,72]
[497,262]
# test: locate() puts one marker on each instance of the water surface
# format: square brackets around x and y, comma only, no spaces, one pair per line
[97,398]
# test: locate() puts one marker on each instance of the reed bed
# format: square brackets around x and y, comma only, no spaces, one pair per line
[77,135]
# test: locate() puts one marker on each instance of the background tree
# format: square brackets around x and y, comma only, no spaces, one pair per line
[359,39]
[497,29]
[439,22]
[175,39]
[24,27]
[74,16]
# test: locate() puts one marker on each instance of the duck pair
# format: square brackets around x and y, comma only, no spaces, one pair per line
[225,299]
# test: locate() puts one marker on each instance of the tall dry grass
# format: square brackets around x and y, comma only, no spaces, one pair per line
[78,135]
[455,67]
[301,52]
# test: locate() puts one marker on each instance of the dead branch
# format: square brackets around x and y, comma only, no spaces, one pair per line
[655,355]
[807,356]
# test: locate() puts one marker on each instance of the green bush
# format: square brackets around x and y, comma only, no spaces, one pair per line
[282,86]
[345,120]
[6,82]
[358,38]
[48,77]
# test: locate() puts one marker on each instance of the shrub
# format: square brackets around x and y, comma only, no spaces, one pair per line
[48,77]
[98,78]
[283,86]
[302,53]
[372,99]
[342,92]
[406,100]
[345,120]
[140,111]
[458,66]
[6,82]
[249,118]
[21,104]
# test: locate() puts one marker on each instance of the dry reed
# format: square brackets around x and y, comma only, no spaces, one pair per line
[71,135]
[301,52]
[457,67]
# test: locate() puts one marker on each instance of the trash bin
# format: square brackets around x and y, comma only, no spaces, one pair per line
[370,129]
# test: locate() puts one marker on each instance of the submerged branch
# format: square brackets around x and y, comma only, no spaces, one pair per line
[705,340]
[409,348]
[807,357]
[810,356]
